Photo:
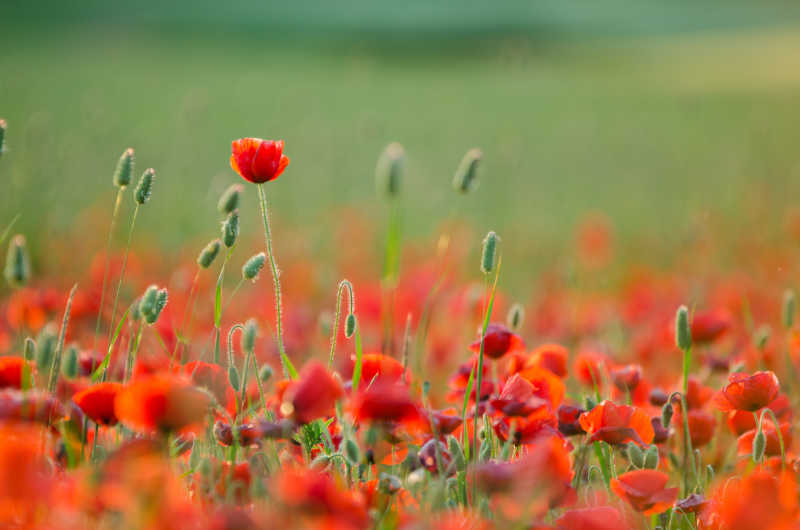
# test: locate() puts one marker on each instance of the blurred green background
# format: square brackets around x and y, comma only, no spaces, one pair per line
[662,115]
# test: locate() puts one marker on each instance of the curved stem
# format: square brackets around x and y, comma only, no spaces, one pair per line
[344,284]
[779,434]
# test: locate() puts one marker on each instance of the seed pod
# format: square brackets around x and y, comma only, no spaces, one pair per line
[350,325]
[147,305]
[233,377]
[145,187]
[230,229]
[70,368]
[46,346]
[265,373]
[351,452]
[759,445]
[489,254]
[651,457]
[635,455]
[18,265]
[789,308]
[253,266]
[389,170]
[683,333]
[466,177]
[209,254]
[666,414]
[516,315]
[124,171]
[249,335]
[3,129]
[28,349]
[229,200]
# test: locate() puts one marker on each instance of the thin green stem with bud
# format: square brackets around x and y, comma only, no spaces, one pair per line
[122,271]
[343,285]
[107,264]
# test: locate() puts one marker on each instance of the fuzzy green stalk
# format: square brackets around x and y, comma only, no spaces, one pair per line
[286,364]
[107,264]
[232,365]
[218,305]
[343,285]
[389,281]
[133,348]
[778,433]
[55,369]
[122,270]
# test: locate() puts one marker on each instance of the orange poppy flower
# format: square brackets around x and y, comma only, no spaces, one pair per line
[546,385]
[760,500]
[551,357]
[589,367]
[747,392]
[387,402]
[701,426]
[744,444]
[498,341]
[518,398]
[161,403]
[593,518]
[258,160]
[645,491]
[11,371]
[378,365]
[313,396]
[97,402]
[617,424]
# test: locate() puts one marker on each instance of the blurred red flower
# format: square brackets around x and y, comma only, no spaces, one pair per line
[617,424]
[313,396]
[97,402]
[645,490]
[161,403]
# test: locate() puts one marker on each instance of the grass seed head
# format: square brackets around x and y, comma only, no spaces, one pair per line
[389,171]
[70,368]
[145,187]
[209,254]
[18,265]
[789,308]
[230,229]
[229,200]
[516,316]
[489,253]
[683,332]
[253,266]
[249,335]
[124,171]
[466,177]
[3,129]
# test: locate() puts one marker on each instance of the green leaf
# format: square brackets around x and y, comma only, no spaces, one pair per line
[100,371]
[289,366]
[357,367]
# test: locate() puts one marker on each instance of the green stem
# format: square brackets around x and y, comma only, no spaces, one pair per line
[780,435]
[122,271]
[343,285]
[55,369]
[106,266]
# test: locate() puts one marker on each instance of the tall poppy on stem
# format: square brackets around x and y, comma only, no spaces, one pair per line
[259,161]
[747,392]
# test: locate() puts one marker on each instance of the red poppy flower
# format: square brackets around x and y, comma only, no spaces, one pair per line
[498,341]
[386,402]
[709,325]
[518,398]
[546,385]
[446,421]
[694,503]
[258,160]
[626,378]
[32,405]
[527,429]
[551,357]
[747,392]
[568,420]
[11,371]
[213,378]
[759,500]
[97,402]
[378,365]
[594,518]
[589,367]
[645,490]
[740,421]
[701,426]
[697,394]
[617,424]
[313,396]
[316,501]
[744,445]
[160,403]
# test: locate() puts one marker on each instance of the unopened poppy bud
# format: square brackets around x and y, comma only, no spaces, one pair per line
[233,377]
[389,170]
[683,333]
[145,187]
[3,129]
[789,308]
[249,335]
[466,176]
[253,266]
[209,254]
[389,484]
[70,368]
[230,229]
[516,315]
[651,457]
[759,445]
[666,414]
[350,325]
[635,455]
[124,171]
[265,373]
[457,453]
[320,462]
[351,452]
[28,349]
[229,200]
[46,346]
[489,253]
[18,265]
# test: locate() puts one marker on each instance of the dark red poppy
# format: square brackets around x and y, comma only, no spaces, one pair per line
[645,490]
[707,326]
[694,503]
[313,396]
[97,402]
[11,371]
[258,160]
[160,403]
[432,457]
[385,402]
[499,340]
[626,378]
[594,518]
[660,433]
[568,420]
[518,398]
[528,429]
[658,397]
[446,421]
[617,424]
[747,392]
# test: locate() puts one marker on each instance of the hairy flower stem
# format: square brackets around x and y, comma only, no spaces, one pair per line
[285,362]
[122,271]
[55,369]
[218,306]
[189,309]
[106,266]
[343,285]
[133,347]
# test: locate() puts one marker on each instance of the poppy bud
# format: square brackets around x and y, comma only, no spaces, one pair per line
[459,459]
[265,373]
[70,368]
[320,462]
[683,333]
[350,325]
[351,452]
[208,254]
[389,170]
[590,403]
[651,457]
[465,179]
[249,335]
[28,349]
[635,455]
[46,346]
[123,173]
[253,266]
[229,200]
[666,414]
[789,308]
[18,266]
[233,377]
[145,187]
[230,229]
[516,315]
[759,445]
[489,253]
[3,128]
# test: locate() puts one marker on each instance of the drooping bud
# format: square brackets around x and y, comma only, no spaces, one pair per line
[3,129]
[789,308]
[516,316]
[466,177]
[759,445]
[233,377]
[651,457]
[249,334]
[489,253]
[666,414]
[351,452]
[253,266]
[389,170]
[265,373]
[70,368]
[145,187]
[683,333]
[18,265]
[635,455]
[229,200]
[28,349]
[350,325]
[230,229]
[209,254]
[124,171]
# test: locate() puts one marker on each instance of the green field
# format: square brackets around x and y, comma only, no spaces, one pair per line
[661,120]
